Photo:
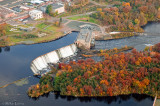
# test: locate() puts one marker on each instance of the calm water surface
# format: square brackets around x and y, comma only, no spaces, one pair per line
[15,64]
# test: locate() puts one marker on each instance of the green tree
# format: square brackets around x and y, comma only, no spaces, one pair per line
[49,9]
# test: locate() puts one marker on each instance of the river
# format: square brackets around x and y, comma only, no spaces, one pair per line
[15,64]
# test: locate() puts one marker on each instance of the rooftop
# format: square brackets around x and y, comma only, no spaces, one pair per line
[35,11]
[57,5]
[36,1]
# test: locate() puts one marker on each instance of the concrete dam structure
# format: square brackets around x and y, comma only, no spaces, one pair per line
[40,64]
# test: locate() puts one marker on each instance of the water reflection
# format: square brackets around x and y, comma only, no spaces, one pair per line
[7,48]
[107,99]
[0,49]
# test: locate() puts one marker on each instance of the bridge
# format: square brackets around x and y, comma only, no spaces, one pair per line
[40,65]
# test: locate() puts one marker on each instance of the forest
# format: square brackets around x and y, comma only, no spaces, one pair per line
[117,74]
[128,15]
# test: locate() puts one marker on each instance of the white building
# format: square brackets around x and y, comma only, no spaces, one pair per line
[36,1]
[36,14]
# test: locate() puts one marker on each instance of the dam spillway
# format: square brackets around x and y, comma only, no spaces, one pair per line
[40,64]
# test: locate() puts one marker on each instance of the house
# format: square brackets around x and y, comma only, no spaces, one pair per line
[6,12]
[36,14]
[56,7]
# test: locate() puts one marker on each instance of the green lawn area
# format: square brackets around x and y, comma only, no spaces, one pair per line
[52,31]
[85,18]
[48,28]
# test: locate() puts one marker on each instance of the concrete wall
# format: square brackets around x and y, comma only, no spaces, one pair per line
[41,62]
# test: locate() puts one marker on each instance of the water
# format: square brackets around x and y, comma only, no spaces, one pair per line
[138,42]
[15,64]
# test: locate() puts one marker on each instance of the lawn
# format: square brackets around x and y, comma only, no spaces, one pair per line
[48,28]
[85,18]
[22,36]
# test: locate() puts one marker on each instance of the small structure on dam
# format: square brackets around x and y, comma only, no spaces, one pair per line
[40,65]
[86,37]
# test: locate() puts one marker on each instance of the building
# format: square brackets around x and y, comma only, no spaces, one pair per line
[17,9]
[6,12]
[36,1]
[85,37]
[58,7]
[36,14]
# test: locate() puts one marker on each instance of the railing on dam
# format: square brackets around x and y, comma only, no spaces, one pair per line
[40,64]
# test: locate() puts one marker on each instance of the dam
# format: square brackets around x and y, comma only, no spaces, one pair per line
[40,65]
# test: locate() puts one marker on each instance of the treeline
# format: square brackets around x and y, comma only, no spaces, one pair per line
[128,15]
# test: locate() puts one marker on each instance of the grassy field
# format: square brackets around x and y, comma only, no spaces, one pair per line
[31,37]
[85,18]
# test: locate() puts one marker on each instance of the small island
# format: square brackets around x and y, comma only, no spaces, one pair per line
[117,74]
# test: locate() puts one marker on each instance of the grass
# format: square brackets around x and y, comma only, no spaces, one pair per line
[48,28]
[85,18]
[14,40]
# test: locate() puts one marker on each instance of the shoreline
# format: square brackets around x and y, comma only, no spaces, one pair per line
[43,41]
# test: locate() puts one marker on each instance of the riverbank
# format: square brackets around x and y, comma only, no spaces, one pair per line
[31,41]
